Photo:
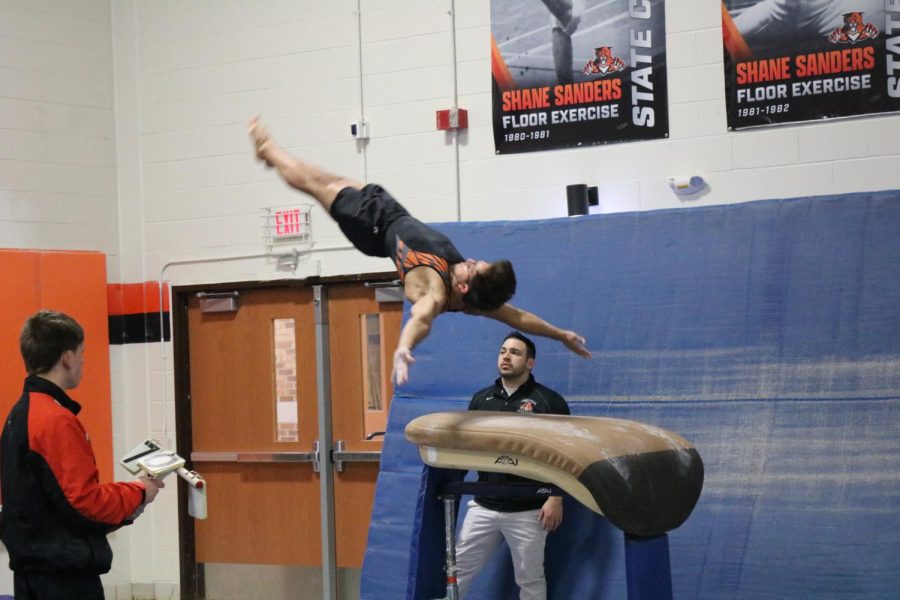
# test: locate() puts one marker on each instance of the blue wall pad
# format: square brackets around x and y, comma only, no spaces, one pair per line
[427,578]
[765,333]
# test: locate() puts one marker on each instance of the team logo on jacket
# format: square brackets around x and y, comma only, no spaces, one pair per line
[506,460]
[526,406]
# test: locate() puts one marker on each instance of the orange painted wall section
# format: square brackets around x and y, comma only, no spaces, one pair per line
[74,283]
[136,298]
[19,272]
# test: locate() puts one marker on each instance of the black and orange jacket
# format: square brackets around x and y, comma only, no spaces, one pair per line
[418,245]
[56,513]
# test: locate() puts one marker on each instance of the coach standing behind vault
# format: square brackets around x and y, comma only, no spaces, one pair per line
[523,522]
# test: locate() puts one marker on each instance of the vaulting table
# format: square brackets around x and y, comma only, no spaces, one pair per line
[643,479]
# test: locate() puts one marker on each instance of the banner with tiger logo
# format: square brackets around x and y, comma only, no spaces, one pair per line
[571,73]
[789,61]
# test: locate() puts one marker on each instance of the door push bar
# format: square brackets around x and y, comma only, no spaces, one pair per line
[257,457]
[339,456]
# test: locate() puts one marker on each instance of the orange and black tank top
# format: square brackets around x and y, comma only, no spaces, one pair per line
[414,244]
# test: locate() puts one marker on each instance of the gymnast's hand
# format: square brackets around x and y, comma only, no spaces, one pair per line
[575,343]
[402,359]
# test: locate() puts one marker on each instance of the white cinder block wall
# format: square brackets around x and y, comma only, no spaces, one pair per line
[123,127]
[57,127]
[58,151]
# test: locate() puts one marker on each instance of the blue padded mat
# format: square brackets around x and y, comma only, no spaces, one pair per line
[766,333]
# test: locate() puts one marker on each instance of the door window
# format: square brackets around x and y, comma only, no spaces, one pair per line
[284,345]
[375,388]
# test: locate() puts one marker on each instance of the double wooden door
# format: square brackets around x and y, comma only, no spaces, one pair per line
[288,396]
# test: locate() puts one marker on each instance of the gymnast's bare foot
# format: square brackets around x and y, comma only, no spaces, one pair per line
[262,141]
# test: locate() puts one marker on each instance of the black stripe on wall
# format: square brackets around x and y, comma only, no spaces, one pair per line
[138,328]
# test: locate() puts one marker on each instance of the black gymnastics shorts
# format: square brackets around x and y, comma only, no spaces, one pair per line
[365,215]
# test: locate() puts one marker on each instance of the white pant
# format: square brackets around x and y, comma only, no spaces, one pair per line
[481,534]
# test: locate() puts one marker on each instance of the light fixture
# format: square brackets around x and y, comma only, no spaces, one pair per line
[579,197]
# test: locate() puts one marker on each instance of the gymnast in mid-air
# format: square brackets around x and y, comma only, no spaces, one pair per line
[436,278]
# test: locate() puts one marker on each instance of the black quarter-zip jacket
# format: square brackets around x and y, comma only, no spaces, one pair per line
[531,397]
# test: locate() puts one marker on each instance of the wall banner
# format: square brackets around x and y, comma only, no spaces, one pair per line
[801,60]
[570,73]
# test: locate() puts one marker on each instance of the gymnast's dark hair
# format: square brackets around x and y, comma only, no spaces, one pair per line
[44,338]
[491,289]
[530,350]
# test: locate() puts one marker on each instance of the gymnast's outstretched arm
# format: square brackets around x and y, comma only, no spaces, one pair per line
[417,327]
[531,323]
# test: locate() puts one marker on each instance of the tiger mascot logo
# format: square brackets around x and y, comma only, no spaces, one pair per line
[526,406]
[854,29]
[603,63]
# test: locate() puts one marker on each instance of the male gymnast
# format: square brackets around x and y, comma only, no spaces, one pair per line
[436,278]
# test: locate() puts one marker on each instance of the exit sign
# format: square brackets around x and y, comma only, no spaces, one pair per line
[287,225]
[290,223]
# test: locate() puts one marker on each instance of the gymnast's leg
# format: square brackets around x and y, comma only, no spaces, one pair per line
[363,213]
[319,184]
